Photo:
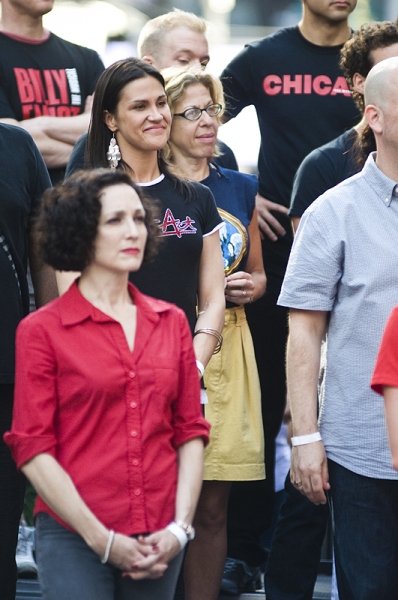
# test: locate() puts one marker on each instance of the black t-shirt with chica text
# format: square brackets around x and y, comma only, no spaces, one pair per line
[302,101]
[322,169]
[23,179]
[173,275]
[46,77]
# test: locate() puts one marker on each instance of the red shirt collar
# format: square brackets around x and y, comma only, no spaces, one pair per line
[25,40]
[74,308]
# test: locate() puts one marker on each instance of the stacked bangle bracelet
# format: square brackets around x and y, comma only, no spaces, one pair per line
[213,332]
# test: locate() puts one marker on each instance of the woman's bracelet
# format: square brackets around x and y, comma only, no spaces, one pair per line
[111,537]
[213,332]
[201,368]
[179,533]
[300,440]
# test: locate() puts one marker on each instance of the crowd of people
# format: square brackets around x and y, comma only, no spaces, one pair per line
[180,303]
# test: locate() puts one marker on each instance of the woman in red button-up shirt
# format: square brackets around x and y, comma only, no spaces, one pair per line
[107,422]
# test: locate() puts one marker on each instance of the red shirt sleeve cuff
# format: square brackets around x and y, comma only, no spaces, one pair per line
[26,447]
[200,428]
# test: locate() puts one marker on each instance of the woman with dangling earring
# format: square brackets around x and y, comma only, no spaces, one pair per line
[130,126]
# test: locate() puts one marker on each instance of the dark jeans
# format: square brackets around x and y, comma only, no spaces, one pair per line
[293,561]
[12,487]
[365,520]
[251,503]
[69,569]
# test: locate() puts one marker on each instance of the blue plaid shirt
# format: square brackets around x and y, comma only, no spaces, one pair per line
[344,261]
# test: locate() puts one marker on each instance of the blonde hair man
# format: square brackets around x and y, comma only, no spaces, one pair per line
[175,38]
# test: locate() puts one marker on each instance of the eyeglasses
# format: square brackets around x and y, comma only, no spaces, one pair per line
[194,113]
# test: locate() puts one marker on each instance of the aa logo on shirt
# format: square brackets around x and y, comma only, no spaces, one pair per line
[54,92]
[173,226]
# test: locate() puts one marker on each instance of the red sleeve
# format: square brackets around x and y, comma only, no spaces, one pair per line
[32,430]
[386,369]
[188,421]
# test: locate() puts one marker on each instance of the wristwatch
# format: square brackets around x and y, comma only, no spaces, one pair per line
[189,529]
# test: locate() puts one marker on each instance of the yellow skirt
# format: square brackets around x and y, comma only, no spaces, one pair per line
[236,448]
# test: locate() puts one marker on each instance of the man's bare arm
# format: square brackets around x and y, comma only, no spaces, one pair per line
[56,136]
[308,463]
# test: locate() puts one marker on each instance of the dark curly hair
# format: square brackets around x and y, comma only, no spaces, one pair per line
[67,222]
[356,52]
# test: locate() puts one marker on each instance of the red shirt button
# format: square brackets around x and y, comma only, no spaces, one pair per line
[134,433]
[132,374]
[136,462]
[137,492]
[133,404]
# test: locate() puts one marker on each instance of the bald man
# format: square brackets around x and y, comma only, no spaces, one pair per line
[342,280]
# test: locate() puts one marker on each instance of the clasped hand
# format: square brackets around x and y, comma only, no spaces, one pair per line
[145,557]
[239,288]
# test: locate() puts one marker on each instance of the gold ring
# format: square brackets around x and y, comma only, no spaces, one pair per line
[298,483]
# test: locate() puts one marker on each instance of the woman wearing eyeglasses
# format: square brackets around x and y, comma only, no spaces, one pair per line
[236,450]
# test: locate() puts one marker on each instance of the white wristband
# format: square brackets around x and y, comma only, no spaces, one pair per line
[179,533]
[200,367]
[300,440]
[111,537]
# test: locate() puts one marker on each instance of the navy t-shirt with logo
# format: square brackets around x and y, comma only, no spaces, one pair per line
[173,275]
[302,102]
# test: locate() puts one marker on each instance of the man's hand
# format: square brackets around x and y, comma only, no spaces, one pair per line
[267,223]
[309,471]
[165,547]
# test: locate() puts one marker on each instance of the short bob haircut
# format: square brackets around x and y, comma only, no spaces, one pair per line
[178,79]
[67,221]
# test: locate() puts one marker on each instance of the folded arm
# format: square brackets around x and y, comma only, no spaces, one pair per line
[55,136]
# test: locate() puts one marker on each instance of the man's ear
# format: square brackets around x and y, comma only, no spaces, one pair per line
[148,59]
[375,118]
[358,83]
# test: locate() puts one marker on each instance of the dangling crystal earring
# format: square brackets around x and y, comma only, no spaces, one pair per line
[113,155]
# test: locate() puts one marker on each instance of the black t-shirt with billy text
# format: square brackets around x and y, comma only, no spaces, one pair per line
[48,77]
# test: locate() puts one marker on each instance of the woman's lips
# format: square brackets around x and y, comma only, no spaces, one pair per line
[131,251]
